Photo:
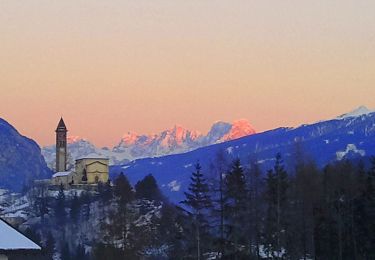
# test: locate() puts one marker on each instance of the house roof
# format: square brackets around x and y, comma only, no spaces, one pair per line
[60,174]
[11,239]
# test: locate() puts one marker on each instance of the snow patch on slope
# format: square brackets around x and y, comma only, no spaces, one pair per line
[360,111]
[174,185]
[350,148]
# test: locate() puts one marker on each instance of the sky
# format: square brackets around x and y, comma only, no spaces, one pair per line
[109,67]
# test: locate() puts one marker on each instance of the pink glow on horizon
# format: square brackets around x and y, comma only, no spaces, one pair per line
[109,67]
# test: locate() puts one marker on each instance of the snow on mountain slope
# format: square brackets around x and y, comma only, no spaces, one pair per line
[171,141]
[325,142]
[362,110]
[240,128]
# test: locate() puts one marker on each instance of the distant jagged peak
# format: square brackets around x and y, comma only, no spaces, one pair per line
[359,111]
[75,139]
[181,133]
[240,128]
[129,138]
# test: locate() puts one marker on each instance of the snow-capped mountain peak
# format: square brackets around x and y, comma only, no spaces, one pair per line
[240,128]
[75,139]
[130,138]
[176,139]
[359,111]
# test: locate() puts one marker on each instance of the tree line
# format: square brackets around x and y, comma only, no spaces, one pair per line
[307,213]
[231,210]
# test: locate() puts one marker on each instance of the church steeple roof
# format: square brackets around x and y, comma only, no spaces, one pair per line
[61,126]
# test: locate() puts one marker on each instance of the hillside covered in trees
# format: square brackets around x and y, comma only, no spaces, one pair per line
[238,213]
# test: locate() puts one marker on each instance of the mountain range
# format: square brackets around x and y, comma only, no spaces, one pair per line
[348,136]
[171,141]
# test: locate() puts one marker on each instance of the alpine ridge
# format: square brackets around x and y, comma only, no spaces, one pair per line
[349,137]
[171,141]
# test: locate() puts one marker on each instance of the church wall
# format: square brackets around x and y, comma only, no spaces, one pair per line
[96,169]
[102,177]
[64,180]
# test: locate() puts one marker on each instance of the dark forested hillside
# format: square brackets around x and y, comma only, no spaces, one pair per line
[294,211]
[324,142]
[20,159]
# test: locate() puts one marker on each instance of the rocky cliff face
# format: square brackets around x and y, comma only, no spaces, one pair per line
[21,160]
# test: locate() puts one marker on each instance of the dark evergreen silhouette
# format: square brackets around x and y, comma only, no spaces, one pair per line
[148,189]
[197,203]
[236,211]
[60,213]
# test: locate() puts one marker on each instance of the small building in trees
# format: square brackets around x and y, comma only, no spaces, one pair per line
[15,245]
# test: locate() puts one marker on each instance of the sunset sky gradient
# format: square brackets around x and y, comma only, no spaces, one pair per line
[114,66]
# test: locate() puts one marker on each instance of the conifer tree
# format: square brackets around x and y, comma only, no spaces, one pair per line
[198,203]
[118,228]
[74,208]
[236,194]
[107,193]
[255,183]
[369,213]
[60,206]
[276,198]
[49,246]
[65,251]
[148,189]
[80,253]
[219,169]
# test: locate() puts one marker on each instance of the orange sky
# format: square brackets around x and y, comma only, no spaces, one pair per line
[121,65]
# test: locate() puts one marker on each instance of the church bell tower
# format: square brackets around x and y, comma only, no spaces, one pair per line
[61,150]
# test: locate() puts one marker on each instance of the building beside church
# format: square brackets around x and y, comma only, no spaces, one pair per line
[88,170]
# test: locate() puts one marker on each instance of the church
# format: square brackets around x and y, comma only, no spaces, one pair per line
[87,171]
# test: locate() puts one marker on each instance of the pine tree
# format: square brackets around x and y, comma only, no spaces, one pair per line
[74,208]
[107,192]
[80,253]
[276,198]
[123,190]
[198,203]
[303,194]
[255,183]
[49,246]
[65,251]
[148,189]
[369,213]
[118,229]
[236,195]
[60,207]
[218,197]
[33,235]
